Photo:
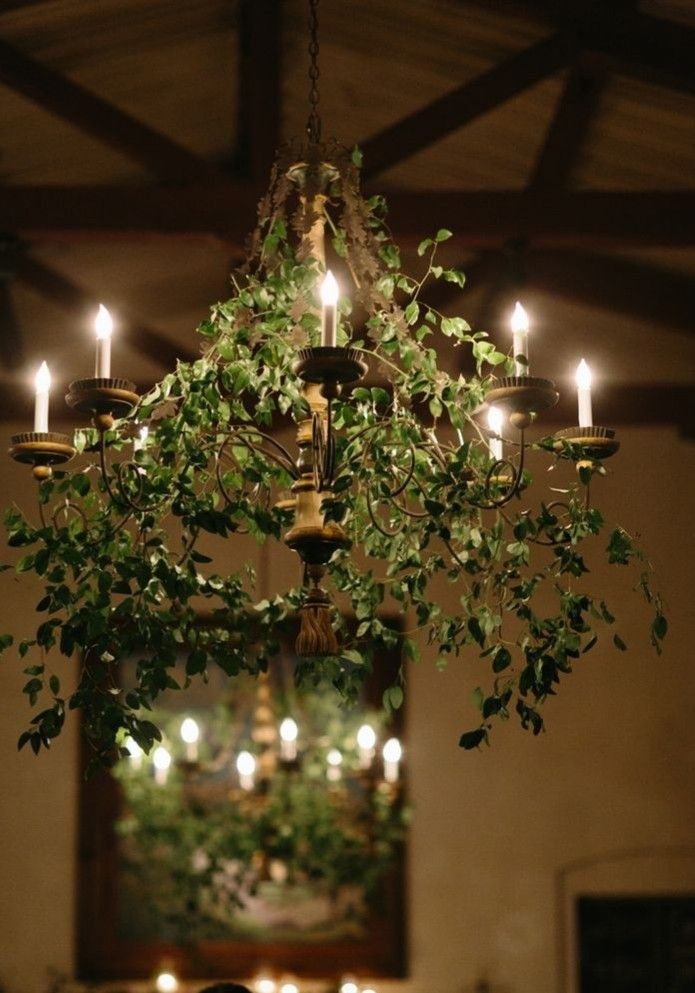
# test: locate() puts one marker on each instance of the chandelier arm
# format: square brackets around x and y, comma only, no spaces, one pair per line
[282,457]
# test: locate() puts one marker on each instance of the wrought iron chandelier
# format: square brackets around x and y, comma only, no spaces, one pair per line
[397,462]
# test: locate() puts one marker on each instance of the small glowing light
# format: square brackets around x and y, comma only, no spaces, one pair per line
[334,758]
[349,986]
[190,732]
[583,376]
[166,982]
[289,730]
[103,323]
[329,290]
[366,737]
[246,766]
[519,318]
[264,984]
[161,758]
[134,749]
[42,380]
[289,988]
[368,989]
[495,417]
[392,752]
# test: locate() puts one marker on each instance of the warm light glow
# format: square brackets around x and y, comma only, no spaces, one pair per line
[161,758]
[144,434]
[392,750]
[519,318]
[366,737]
[134,749]
[264,984]
[289,730]
[583,376]
[495,417]
[368,989]
[166,982]
[349,986]
[289,988]
[334,758]
[329,290]
[103,323]
[42,380]
[190,732]
[246,766]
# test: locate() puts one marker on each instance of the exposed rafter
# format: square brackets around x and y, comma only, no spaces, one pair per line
[587,218]
[57,287]
[462,105]
[260,44]
[162,156]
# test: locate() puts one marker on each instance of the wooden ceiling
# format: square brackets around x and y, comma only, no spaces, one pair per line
[557,140]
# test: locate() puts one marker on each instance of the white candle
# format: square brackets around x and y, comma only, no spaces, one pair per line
[162,761]
[329,309]
[43,389]
[190,733]
[140,440]
[246,767]
[495,418]
[584,394]
[520,338]
[288,740]
[135,753]
[366,740]
[334,760]
[103,326]
[392,756]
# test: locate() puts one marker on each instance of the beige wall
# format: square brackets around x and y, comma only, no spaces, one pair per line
[502,840]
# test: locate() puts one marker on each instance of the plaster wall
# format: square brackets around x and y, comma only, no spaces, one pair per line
[502,840]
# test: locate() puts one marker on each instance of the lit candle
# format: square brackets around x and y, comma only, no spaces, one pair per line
[495,418]
[334,760]
[520,338]
[134,752]
[392,756]
[43,388]
[103,325]
[329,309]
[288,739]
[246,767]
[140,440]
[584,394]
[366,740]
[264,984]
[166,982]
[289,988]
[348,985]
[190,733]
[162,761]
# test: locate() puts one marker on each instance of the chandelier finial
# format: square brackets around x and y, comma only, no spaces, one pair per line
[313,125]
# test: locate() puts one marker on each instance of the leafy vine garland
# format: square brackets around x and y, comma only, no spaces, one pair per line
[414,491]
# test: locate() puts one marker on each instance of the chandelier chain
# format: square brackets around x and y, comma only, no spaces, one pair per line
[313,126]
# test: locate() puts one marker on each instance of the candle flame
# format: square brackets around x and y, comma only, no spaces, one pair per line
[495,418]
[289,730]
[103,323]
[583,376]
[392,750]
[519,318]
[366,737]
[190,732]
[161,758]
[42,381]
[245,764]
[329,289]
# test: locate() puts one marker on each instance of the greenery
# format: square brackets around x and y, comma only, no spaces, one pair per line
[117,581]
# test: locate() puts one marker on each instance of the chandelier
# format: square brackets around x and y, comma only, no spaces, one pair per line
[408,487]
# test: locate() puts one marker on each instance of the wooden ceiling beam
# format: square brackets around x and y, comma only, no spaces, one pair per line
[260,45]
[585,218]
[55,286]
[568,130]
[429,124]
[95,116]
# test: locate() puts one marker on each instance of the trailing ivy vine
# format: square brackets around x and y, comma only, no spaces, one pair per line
[119,582]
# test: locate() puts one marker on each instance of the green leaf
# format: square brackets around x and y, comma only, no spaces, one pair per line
[442,235]
[619,643]
[393,698]
[472,739]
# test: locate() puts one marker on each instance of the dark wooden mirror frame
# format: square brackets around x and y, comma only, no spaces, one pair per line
[103,956]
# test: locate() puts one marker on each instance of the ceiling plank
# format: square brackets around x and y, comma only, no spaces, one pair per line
[260,43]
[57,287]
[95,116]
[585,218]
[460,106]
[568,130]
